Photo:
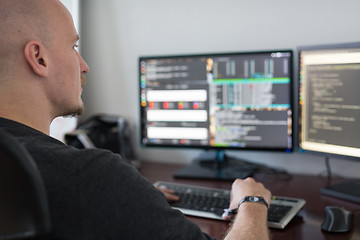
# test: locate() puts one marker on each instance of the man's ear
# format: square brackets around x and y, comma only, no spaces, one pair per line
[35,56]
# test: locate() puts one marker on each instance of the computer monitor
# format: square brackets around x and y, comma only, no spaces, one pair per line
[329,104]
[238,101]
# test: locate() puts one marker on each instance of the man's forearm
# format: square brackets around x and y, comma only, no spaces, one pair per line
[250,223]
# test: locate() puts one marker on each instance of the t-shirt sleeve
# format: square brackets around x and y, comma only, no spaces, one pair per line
[118,203]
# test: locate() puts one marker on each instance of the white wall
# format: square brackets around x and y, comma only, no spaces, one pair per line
[116,32]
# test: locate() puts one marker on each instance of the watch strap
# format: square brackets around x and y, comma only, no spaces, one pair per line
[254,199]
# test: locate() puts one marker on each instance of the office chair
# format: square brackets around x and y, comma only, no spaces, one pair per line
[24,211]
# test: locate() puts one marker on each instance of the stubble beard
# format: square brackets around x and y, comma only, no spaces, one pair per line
[75,113]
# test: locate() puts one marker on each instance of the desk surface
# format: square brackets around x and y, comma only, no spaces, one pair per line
[306,225]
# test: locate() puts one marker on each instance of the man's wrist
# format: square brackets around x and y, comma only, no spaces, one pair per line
[250,199]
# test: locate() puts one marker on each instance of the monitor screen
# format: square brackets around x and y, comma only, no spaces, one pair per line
[329,99]
[221,101]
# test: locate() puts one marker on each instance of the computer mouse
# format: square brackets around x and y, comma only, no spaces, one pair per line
[337,219]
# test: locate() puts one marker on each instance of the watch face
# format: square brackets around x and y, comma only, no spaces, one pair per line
[254,199]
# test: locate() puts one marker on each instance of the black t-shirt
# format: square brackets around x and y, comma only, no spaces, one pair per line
[95,194]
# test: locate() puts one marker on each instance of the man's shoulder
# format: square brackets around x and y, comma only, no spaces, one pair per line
[60,153]
[51,153]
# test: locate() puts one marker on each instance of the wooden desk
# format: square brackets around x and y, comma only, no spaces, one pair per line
[304,226]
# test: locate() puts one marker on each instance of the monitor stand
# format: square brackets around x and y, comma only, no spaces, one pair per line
[217,165]
[349,190]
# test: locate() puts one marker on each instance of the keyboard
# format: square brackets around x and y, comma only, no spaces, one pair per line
[211,202]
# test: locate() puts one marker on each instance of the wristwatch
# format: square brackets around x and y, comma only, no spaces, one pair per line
[254,199]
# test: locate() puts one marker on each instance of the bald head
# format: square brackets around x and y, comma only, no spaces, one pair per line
[20,22]
[40,67]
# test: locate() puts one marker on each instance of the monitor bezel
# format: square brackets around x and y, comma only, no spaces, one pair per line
[299,125]
[219,54]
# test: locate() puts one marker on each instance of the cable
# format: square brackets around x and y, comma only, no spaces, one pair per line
[328,167]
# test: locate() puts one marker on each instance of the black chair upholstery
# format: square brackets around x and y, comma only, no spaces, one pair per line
[24,211]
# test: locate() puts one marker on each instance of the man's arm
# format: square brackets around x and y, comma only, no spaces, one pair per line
[250,222]
[251,219]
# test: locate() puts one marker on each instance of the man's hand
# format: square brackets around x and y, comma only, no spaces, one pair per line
[248,187]
[169,194]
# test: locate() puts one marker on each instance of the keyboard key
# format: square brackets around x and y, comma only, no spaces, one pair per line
[277,212]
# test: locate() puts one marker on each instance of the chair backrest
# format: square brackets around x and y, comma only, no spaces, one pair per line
[24,211]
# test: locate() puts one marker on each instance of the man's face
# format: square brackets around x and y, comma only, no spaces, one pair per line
[66,68]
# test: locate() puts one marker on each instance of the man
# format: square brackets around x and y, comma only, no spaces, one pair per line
[93,194]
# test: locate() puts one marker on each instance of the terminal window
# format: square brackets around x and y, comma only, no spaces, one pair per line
[330,102]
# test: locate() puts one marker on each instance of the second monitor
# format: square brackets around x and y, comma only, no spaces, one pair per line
[217,101]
